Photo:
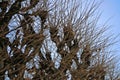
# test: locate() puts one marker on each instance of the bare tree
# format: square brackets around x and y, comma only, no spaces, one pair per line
[54,40]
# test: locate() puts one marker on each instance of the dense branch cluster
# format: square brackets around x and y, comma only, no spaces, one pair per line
[53,40]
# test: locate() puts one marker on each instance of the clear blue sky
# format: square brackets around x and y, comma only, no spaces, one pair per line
[111,9]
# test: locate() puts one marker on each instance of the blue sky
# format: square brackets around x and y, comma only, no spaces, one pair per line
[111,9]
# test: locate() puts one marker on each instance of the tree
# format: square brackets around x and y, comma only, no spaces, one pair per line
[54,40]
